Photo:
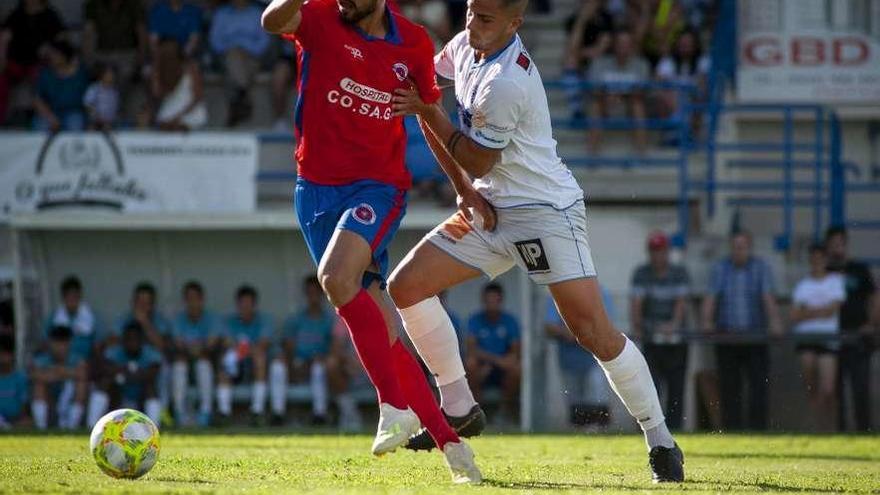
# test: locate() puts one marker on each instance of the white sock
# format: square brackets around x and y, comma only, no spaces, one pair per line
[431,332]
[278,387]
[98,404]
[456,398]
[258,398]
[153,409]
[631,380]
[318,385]
[74,415]
[230,363]
[65,400]
[205,384]
[40,411]
[224,399]
[179,382]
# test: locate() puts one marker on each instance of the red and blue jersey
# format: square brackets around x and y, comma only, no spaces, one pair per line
[343,120]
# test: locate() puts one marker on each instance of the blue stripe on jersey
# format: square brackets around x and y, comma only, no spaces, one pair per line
[300,98]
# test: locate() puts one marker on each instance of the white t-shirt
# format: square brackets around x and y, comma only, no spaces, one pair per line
[817,293]
[502,105]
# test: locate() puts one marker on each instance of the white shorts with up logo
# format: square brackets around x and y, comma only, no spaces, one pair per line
[548,243]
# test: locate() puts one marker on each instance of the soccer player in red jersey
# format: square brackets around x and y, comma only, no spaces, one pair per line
[352,184]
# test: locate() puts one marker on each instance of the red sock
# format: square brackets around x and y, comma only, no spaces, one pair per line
[369,333]
[421,399]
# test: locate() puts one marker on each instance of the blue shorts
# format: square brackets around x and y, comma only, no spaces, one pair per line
[371,209]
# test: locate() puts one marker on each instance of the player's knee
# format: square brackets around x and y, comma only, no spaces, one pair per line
[340,288]
[401,290]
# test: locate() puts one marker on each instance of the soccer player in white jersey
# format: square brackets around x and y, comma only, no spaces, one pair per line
[523,208]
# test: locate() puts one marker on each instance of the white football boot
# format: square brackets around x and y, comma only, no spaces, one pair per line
[395,428]
[460,459]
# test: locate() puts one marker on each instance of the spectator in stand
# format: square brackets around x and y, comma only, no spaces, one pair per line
[433,14]
[196,333]
[667,22]
[61,87]
[237,37]
[584,384]
[658,306]
[815,312]
[115,35]
[741,303]
[177,90]
[346,374]
[246,338]
[620,70]
[686,64]
[179,20]
[283,79]
[60,379]
[307,339]
[131,376]
[75,314]
[589,37]
[859,323]
[25,35]
[102,100]
[14,388]
[493,351]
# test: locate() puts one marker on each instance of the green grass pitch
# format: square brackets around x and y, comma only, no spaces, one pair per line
[278,462]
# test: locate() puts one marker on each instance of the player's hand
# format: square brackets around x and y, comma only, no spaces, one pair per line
[471,204]
[408,102]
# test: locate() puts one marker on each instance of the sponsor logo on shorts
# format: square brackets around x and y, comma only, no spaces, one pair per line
[365,214]
[533,255]
[401,71]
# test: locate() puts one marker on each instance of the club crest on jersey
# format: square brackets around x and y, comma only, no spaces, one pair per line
[355,52]
[401,71]
[523,61]
[365,214]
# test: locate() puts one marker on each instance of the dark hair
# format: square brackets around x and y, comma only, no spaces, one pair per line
[133,326]
[695,58]
[312,280]
[64,48]
[145,287]
[493,287]
[817,247]
[60,332]
[71,283]
[7,344]
[836,230]
[245,291]
[192,285]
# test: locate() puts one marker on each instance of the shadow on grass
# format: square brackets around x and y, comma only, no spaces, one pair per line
[166,479]
[780,457]
[688,485]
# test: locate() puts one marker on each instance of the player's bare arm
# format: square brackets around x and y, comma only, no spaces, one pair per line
[475,159]
[282,16]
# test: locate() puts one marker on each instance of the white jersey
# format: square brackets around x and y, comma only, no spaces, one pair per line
[502,105]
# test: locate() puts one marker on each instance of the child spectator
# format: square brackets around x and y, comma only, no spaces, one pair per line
[13,388]
[816,306]
[75,314]
[102,100]
[60,380]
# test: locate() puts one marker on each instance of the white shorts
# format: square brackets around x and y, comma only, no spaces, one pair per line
[550,244]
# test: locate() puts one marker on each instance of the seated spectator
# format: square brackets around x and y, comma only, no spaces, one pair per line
[433,15]
[584,384]
[667,22]
[177,90]
[246,338]
[741,302]
[75,314]
[589,37]
[24,37]
[196,334]
[307,339]
[178,20]
[61,87]
[283,80]
[132,370]
[60,379]
[239,40]
[624,67]
[156,328]
[101,100]
[658,307]
[815,312]
[13,388]
[346,374]
[493,351]
[115,35]
[687,65]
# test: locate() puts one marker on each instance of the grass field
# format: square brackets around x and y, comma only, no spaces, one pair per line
[277,462]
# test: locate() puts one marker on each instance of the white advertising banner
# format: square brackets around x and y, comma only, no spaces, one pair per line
[809,51]
[128,172]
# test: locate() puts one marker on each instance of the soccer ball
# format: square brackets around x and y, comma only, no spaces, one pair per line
[125,443]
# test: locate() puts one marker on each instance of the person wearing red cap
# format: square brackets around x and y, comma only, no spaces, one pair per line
[658,304]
